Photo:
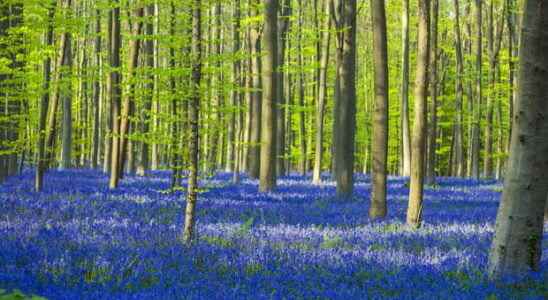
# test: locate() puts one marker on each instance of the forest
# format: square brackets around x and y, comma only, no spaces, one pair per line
[274,149]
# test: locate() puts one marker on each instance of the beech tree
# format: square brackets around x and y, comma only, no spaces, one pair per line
[414,209]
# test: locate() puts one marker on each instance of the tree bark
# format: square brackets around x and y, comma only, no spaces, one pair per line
[432,127]
[475,156]
[268,114]
[457,163]
[322,94]
[345,102]
[516,247]
[115,93]
[96,131]
[380,114]
[256,96]
[150,87]
[196,55]
[414,210]
[44,104]
[406,140]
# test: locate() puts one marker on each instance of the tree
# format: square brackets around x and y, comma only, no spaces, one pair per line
[268,114]
[475,155]
[115,93]
[345,100]
[193,148]
[256,96]
[283,29]
[516,247]
[458,157]
[380,115]
[44,104]
[414,210]
[322,94]
[97,92]
[66,153]
[432,127]
[406,140]
[149,87]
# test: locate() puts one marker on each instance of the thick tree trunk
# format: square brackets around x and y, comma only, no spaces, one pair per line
[194,106]
[345,102]
[322,94]
[414,210]
[516,247]
[380,114]
[268,114]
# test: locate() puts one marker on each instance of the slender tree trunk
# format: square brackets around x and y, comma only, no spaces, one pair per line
[458,159]
[194,106]
[96,93]
[406,140]
[268,114]
[283,29]
[322,94]
[380,114]
[432,128]
[44,103]
[256,96]
[475,157]
[414,210]
[345,103]
[150,88]
[302,116]
[128,104]
[115,94]
[517,245]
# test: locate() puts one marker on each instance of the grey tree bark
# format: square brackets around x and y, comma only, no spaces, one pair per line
[268,114]
[433,111]
[475,155]
[194,109]
[414,209]
[96,131]
[322,93]
[345,102]
[115,79]
[406,137]
[516,247]
[256,96]
[458,159]
[66,95]
[380,114]
[44,104]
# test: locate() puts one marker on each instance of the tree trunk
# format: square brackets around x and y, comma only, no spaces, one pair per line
[196,55]
[406,140]
[128,105]
[283,29]
[44,104]
[322,94]
[475,157]
[516,247]
[414,210]
[97,94]
[432,128]
[380,114]
[150,87]
[268,114]
[115,93]
[345,103]
[457,164]
[256,96]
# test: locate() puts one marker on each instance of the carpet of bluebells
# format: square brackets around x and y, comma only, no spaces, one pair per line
[78,240]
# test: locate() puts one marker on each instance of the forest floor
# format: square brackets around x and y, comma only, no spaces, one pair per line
[78,240]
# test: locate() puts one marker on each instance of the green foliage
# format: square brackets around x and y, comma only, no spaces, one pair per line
[17,295]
